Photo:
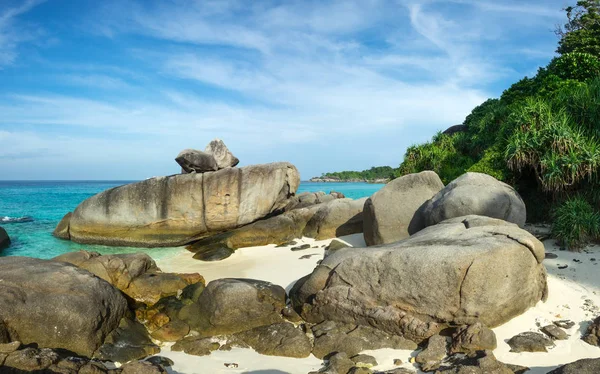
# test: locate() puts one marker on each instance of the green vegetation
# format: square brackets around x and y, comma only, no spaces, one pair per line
[542,135]
[377,172]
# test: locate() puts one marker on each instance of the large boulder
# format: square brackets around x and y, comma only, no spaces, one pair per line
[193,161]
[336,218]
[223,157]
[62,229]
[462,271]
[4,239]
[389,215]
[175,210]
[585,366]
[477,194]
[57,305]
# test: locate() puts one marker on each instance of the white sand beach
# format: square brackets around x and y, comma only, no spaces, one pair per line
[574,294]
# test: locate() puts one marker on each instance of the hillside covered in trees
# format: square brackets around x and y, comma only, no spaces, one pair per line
[542,135]
[376,173]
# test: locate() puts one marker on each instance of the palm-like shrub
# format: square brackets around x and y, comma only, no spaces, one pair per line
[575,223]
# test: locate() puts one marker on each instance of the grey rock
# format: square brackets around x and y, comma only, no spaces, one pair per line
[194,161]
[585,366]
[351,339]
[9,347]
[360,370]
[335,245]
[389,215]
[128,342]
[178,209]
[196,346]
[550,255]
[280,339]
[142,367]
[481,362]
[222,155]
[62,229]
[592,334]
[363,359]
[397,371]
[300,247]
[472,338]
[57,305]
[455,129]
[30,360]
[529,342]
[564,324]
[212,252]
[434,353]
[555,332]
[161,360]
[336,218]
[228,306]
[475,194]
[338,363]
[4,239]
[477,269]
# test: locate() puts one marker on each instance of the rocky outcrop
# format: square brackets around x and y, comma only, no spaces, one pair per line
[193,161]
[585,366]
[337,218]
[57,305]
[477,269]
[4,239]
[477,194]
[62,229]
[175,210]
[389,215]
[592,334]
[135,274]
[223,157]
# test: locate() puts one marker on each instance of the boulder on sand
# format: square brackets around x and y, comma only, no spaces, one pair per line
[57,305]
[223,157]
[389,215]
[337,218]
[477,194]
[4,239]
[175,210]
[477,269]
[193,161]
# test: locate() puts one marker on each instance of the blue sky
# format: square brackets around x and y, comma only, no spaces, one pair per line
[115,89]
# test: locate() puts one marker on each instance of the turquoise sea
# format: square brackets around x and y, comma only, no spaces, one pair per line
[30,210]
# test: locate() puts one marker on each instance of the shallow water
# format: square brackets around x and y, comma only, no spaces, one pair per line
[30,210]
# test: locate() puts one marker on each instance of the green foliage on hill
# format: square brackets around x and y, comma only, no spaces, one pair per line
[541,136]
[376,172]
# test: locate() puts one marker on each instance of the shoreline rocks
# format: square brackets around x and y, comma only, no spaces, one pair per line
[175,210]
[4,239]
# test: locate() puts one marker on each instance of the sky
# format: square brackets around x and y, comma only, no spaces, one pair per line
[97,90]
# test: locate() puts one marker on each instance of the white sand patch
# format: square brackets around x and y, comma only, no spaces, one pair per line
[568,291]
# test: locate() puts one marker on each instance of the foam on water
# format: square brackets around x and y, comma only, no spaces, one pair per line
[29,211]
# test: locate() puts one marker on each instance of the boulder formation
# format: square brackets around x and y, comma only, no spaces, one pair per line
[4,239]
[175,210]
[337,218]
[477,269]
[193,161]
[476,194]
[57,305]
[389,215]
[222,155]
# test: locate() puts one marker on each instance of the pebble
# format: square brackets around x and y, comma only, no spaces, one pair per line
[300,247]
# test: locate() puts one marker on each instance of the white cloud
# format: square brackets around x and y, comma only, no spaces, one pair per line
[12,34]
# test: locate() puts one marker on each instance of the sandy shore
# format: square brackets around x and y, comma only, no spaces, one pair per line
[574,294]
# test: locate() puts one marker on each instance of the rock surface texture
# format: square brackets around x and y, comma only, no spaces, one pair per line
[222,155]
[477,194]
[585,366]
[193,161]
[57,305]
[389,215]
[175,210]
[477,269]
[4,239]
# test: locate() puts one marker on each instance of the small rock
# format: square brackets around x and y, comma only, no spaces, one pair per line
[363,360]
[196,346]
[142,367]
[9,347]
[592,335]
[171,332]
[472,338]
[214,253]
[280,339]
[565,324]
[293,242]
[306,257]
[335,245]
[301,247]
[160,360]
[232,365]
[563,266]
[360,370]
[435,351]
[555,332]
[529,342]
[551,255]
[398,362]
[339,363]
[397,371]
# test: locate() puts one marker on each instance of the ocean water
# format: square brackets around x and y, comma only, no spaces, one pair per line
[30,210]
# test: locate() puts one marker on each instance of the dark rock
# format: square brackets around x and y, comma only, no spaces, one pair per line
[351,339]
[475,194]
[481,362]
[592,334]
[194,161]
[455,129]
[57,305]
[549,255]
[339,363]
[433,354]
[4,239]
[228,306]
[171,332]
[30,360]
[142,367]
[287,244]
[160,360]
[561,267]
[517,369]
[555,332]
[62,229]
[389,215]
[585,366]
[4,336]
[130,341]
[383,286]
[222,155]
[476,337]
[280,339]
[529,342]
[301,247]
[213,253]
[365,360]
[196,346]
[565,324]
[360,370]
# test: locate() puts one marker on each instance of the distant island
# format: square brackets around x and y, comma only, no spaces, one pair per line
[376,174]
